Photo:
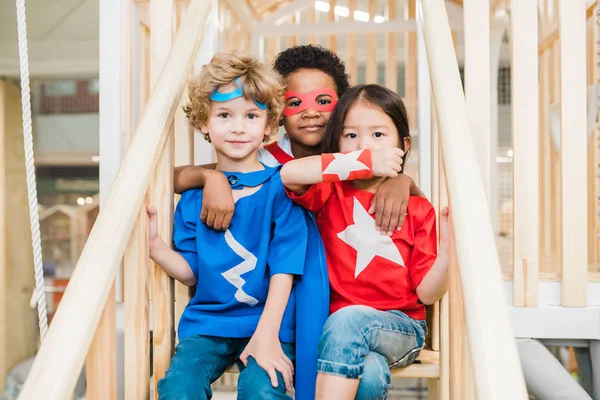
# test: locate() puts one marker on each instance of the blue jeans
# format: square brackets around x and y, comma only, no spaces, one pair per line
[201,360]
[362,342]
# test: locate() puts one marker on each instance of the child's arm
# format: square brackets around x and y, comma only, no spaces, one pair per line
[390,202]
[264,345]
[170,261]
[435,284]
[298,175]
[188,177]
[286,258]
[217,200]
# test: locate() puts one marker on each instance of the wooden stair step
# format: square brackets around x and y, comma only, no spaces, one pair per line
[429,366]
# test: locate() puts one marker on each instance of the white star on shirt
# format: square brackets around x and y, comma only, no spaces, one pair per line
[367,241]
[343,164]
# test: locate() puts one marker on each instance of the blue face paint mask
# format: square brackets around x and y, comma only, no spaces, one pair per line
[234,94]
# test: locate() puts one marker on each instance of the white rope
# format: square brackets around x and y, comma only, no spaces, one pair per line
[30,170]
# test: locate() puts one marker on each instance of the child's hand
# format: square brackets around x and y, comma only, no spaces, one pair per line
[387,161]
[390,202]
[267,352]
[217,201]
[445,227]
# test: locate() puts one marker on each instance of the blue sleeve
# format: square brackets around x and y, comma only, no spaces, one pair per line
[287,250]
[186,216]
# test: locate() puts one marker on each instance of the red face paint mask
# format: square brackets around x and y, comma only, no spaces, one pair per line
[309,101]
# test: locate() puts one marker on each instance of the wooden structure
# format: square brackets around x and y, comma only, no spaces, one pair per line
[534,285]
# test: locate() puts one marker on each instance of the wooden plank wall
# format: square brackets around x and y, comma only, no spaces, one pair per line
[18,329]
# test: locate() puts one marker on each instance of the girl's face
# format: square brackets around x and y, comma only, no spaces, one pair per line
[367,127]
[307,127]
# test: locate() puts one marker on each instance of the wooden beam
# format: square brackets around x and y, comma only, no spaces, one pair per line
[332,40]
[351,46]
[545,155]
[526,147]
[311,21]
[410,65]
[3,238]
[477,83]
[101,361]
[372,65]
[243,13]
[345,27]
[161,197]
[573,152]
[137,323]
[549,41]
[593,151]
[100,365]
[281,14]
[391,64]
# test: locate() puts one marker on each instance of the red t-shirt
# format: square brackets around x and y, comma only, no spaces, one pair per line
[365,267]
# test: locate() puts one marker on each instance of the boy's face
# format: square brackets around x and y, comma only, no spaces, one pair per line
[308,126]
[236,127]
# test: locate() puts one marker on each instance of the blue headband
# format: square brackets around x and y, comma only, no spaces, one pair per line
[234,94]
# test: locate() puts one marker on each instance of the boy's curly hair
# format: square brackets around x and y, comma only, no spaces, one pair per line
[258,80]
[313,57]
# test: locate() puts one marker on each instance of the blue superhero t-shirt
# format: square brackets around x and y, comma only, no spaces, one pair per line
[268,235]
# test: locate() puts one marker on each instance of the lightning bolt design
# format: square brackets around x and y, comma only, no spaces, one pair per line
[233,275]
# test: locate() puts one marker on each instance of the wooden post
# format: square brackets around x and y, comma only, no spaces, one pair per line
[294,20]
[101,365]
[424,113]
[592,162]
[351,47]
[137,329]
[136,261]
[391,62]
[410,66]
[371,61]
[161,197]
[312,19]
[101,361]
[3,239]
[573,142]
[545,155]
[477,82]
[332,40]
[526,147]
[273,48]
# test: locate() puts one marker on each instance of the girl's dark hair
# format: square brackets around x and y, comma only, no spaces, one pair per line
[375,95]
[313,57]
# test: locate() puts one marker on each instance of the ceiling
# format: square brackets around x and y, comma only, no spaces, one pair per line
[64,38]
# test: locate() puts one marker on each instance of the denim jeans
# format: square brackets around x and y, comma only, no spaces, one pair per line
[362,342]
[201,360]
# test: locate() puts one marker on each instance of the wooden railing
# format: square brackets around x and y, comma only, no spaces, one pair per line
[62,353]
[493,352]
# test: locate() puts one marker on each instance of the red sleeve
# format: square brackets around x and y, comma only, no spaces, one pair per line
[424,250]
[315,197]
